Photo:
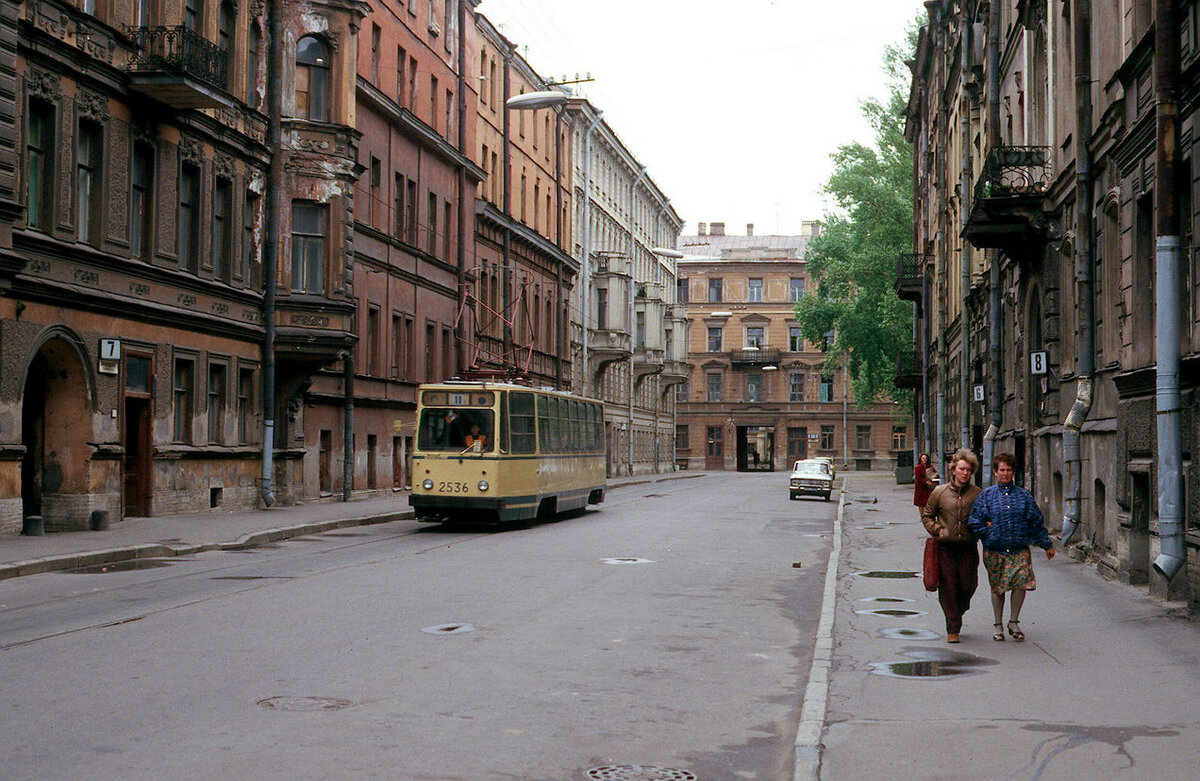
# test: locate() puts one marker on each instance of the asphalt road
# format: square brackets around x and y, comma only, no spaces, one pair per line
[669,629]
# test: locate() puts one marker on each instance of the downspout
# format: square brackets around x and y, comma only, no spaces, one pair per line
[632,282]
[1167,309]
[995,396]
[271,244]
[506,268]
[348,426]
[460,256]
[560,306]
[1084,262]
[587,249]
[965,203]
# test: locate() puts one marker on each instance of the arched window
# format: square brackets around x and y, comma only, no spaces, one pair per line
[312,79]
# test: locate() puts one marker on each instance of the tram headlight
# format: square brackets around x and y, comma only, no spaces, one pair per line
[427,485]
[483,485]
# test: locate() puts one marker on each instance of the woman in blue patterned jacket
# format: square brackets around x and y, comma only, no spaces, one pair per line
[1007,521]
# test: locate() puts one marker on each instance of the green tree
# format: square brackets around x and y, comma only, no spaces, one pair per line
[853,262]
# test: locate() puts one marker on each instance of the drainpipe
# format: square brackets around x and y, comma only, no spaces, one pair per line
[586,264]
[965,202]
[632,344]
[1084,262]
[460,256]
[1167,309]
[995,396]
[271,243]
[348,427]
[506,251]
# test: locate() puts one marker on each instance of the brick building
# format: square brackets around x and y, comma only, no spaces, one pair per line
[759,395]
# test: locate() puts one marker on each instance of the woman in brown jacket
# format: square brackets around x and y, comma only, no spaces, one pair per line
[945,518]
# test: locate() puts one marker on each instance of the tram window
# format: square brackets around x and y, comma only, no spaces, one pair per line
[455,429]
[521,422]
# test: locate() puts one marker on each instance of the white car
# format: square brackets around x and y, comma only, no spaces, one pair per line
[810,477]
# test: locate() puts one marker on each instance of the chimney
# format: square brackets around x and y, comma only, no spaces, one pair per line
[718,229]
[702,229]
[749,229]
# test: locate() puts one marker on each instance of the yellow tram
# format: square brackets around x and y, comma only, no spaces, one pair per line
[498,451]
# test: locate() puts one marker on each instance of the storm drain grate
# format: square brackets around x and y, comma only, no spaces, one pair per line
[640,773]
[304,704]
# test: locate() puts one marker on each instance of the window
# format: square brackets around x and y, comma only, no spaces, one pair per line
[193,14]
[754,292]
[430,350]
[432,216]
[88,184]
[375,182]
[410,213]
[640,331]
[714,291]
[375,34]
[373,338]
[681,437]
[447,215]
[448,367]
[714,387]
[253,47]
[309,223]
[433,101]
[754,337]
[796,289]
[862,437]
[827,437]
[827,388]
[401,78]
[141,199]
[796,383]
[398,205]
[216,403]
[188,247]
[222,230]
[245,402]
[312,79]
[226,18]
[39,159]
[795,339]
[754,387]
[899,438]
[714,339]
[249,245]
[181,385]
[681,290]
[602,308]
[412,83]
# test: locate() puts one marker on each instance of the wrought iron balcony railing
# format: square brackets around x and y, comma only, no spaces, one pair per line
[754,356]
[908,277]
[178,50]
[908,369]
[1014,171]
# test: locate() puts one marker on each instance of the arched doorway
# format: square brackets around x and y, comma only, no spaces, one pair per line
[55,430]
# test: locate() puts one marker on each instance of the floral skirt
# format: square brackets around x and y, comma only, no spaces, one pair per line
[1009,571]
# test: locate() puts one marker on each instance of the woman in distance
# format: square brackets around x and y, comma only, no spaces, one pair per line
[925,479]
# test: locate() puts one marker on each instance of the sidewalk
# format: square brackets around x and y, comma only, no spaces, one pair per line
[182,535]
[1106,685]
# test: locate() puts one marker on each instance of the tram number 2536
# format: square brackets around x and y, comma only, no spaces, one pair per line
[451,487]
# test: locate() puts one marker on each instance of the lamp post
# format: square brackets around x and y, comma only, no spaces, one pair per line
[529,101]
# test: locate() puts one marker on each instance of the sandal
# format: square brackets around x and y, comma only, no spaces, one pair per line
[1016,632]
[998,635]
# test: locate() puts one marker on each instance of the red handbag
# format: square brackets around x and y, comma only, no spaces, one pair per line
[930,566]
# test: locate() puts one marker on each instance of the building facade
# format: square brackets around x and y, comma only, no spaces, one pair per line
[1053,273]
[759,396]
[626,335]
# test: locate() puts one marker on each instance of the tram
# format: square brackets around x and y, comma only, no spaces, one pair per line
[503,452]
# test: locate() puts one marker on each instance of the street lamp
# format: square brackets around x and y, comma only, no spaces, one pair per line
[529,101]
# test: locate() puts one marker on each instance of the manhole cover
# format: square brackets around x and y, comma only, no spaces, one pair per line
[304,704]
[627,560]
[118,566]
[890,612]
[887,573]
[641,773]
[456,628]
[883,599]
[907,633]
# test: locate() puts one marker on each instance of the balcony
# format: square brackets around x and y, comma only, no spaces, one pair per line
[647,361]
[1007,210]
[750,357]
[606,346]
[908,277]
[675,372]
[178,67]
[908,370]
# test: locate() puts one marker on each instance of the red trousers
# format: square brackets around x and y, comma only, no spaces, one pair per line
[958,577]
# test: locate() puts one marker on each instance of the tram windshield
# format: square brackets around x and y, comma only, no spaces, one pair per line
[456,429]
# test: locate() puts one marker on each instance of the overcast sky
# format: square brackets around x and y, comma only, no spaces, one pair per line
[735,107]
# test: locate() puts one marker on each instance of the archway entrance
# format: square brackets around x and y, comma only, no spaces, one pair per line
[55,429]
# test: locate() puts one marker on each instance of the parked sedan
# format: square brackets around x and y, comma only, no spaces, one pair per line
[810,478]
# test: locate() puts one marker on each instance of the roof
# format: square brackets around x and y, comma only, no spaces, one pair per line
[739,248]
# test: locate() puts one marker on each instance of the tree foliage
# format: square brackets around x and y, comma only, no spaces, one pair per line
[853,262]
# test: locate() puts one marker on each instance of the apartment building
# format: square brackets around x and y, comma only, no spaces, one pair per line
[627,327]
[759,395]
[1053,275]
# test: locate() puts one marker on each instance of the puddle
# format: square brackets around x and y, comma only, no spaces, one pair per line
[627,560]
[906,633]
[118,566]
[884,599]
[891,612]
[457,628]
[870,527]
[888,573]
[931,663]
